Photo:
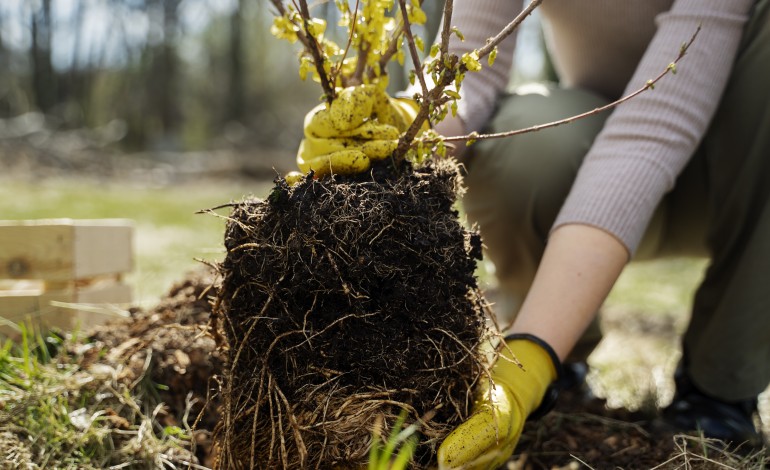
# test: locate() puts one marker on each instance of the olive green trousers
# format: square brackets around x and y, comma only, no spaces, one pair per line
[719,208]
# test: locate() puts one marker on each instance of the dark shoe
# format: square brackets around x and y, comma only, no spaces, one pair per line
[571,386]
[693,410]
[574,375]
[576,394]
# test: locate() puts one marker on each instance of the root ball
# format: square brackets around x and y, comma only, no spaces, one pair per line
[344,302]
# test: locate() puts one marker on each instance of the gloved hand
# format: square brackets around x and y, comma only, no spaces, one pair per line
[362,124]
[487,439]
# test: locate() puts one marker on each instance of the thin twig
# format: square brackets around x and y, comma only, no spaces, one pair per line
[448,68]
[413,48]
[434,95]
[282,11]
[315,51]
[446,30]
[338,69]
[311,45]
[510,28]
[647,86]
[358,74]
[395,44]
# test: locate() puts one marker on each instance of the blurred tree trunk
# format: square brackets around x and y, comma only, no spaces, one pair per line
[236,93]
[2,42]
[44,81]
[162,78]
[76,81]
[5,79]
[168,70]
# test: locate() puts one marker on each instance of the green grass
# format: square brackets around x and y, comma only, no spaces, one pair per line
[397,450]
[56,414]
[168,236]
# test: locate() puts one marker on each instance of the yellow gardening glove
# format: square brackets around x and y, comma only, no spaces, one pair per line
[362,124]
[487,439]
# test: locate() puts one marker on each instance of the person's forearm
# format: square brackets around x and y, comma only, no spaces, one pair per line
[579,267]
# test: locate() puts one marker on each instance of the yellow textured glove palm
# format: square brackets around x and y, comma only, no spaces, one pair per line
[487,439]
[362,124]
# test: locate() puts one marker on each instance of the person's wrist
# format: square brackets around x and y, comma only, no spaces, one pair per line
[541,369]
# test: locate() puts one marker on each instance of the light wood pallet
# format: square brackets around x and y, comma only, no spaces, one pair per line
[62,273]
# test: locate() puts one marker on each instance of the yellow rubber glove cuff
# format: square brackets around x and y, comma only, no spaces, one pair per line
[407,109]
[521,376]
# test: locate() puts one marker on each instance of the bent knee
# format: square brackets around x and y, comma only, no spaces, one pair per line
[525,178]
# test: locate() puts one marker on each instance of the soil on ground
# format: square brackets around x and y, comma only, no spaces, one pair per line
[169,344]
[581,432]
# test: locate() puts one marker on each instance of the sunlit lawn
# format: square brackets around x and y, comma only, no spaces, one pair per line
[168,236]
[629,365]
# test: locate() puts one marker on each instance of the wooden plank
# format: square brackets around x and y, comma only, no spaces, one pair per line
[35,310]
[16,307]
[31,252]
[99,304]
[65,249]
[103,249]
[109,302]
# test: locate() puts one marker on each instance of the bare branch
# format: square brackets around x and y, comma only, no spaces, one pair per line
[311,45]
[448,68]
[647,86]
[338,70]
[510,28]
[393,47]
[446,30]
[434,95]
[413,48]
[282,11]
[315,51]
[358,75]
[395,44]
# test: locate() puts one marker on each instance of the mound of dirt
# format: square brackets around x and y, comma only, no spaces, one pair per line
[345,301]
[581,429]
[169,345]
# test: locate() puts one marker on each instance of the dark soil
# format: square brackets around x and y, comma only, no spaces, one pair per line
[169,345]
[581,432]
[344,301]
[582,428]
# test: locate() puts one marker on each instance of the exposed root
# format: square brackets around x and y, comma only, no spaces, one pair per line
[344,302]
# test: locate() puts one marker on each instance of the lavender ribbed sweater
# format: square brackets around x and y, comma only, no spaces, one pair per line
[614,47]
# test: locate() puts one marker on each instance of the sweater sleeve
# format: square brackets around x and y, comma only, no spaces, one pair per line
[648,140]
[479,20]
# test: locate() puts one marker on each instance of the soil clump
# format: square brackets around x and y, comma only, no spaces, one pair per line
[346,301]
[169,346]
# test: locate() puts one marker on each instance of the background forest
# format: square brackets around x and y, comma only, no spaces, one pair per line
[155,74]
[147,76]
[141,76]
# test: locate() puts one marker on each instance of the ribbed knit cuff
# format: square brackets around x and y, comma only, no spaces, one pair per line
[601,197]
